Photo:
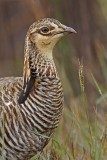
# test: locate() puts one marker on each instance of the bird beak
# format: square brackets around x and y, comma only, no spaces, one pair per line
[69,30]
[65,30]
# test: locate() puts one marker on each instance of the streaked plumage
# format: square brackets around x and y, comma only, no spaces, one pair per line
[31,106]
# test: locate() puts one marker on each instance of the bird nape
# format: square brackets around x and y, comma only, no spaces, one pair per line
[31,106]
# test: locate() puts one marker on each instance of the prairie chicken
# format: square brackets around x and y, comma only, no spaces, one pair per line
[31,106]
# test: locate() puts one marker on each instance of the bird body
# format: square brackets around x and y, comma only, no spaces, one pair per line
[31,106]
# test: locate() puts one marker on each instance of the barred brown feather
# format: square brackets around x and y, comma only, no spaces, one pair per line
[30,106]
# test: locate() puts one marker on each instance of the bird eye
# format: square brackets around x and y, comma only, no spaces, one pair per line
[44,29]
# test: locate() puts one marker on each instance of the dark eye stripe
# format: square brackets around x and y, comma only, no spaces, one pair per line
[52,28]
[38,30]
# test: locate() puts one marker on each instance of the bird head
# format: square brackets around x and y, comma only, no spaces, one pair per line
[45,33]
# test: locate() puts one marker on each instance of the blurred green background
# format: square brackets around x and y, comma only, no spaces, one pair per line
[89,46]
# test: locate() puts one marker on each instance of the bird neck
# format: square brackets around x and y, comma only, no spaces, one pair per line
[45,50]
[38,60]
[37,67]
